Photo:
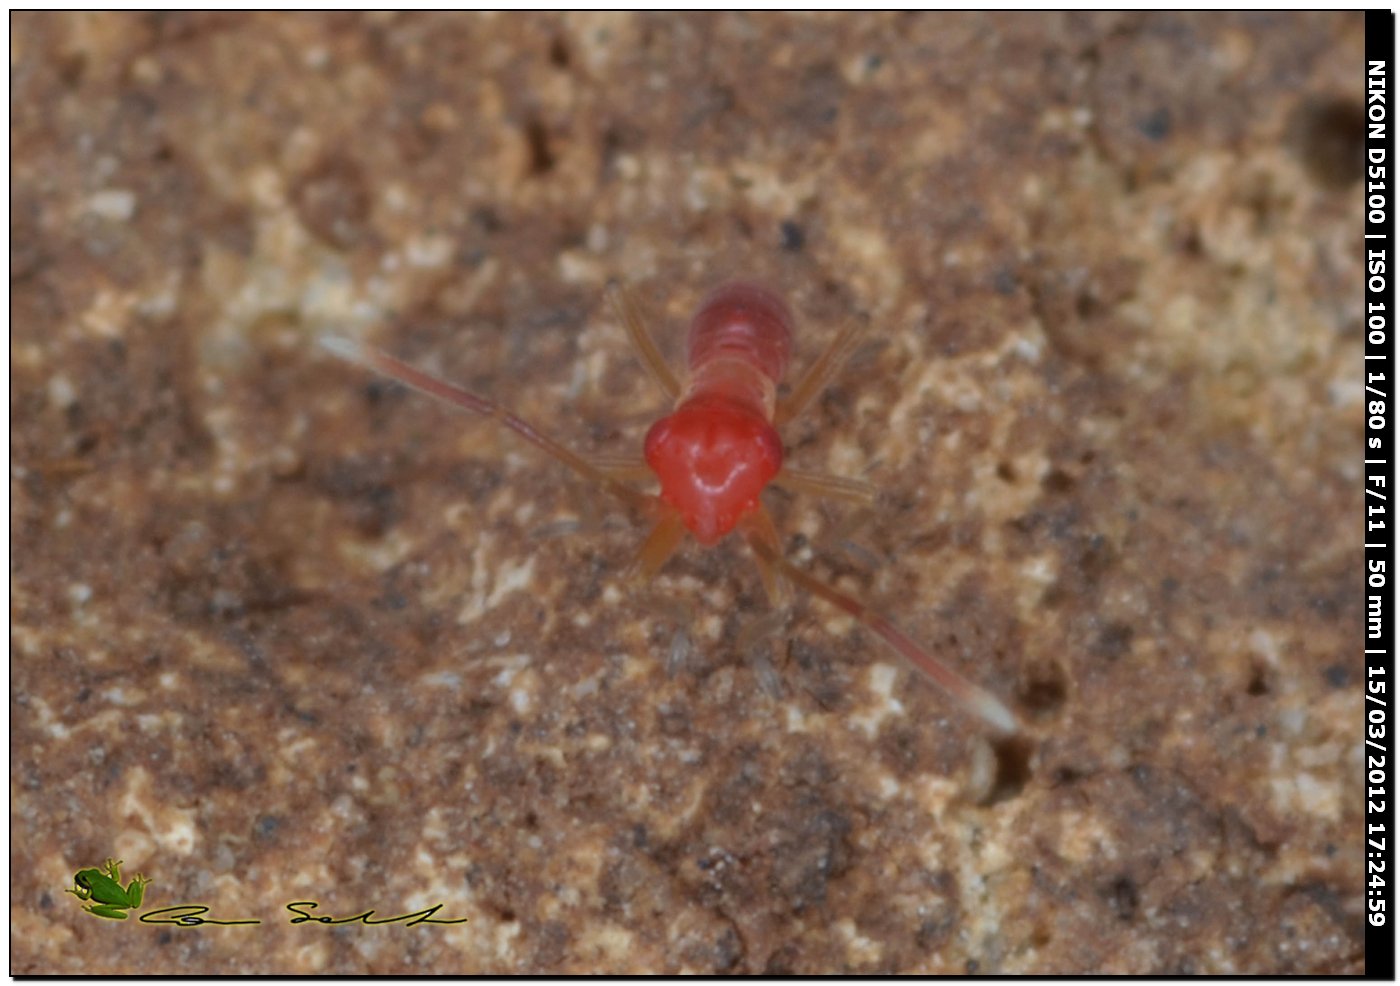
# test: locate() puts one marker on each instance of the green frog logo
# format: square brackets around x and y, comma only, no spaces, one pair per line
[104,888]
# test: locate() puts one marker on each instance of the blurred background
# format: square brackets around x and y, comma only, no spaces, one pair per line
[283,632]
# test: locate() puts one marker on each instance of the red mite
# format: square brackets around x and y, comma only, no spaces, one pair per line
[717,450]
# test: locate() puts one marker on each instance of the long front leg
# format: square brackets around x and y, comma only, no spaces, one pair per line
[426,383]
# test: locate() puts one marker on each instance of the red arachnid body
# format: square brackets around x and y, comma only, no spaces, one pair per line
[717,450]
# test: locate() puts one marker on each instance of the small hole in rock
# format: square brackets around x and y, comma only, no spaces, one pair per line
[1013,768]
[1113,641]
[1329,137]
[1045,688]
[559,53]
[1057,481]
[792,237]
[541,157]
[1157,125]
[1258,682]
[1124,896]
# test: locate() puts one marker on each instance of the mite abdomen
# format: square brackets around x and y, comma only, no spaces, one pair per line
[744,322]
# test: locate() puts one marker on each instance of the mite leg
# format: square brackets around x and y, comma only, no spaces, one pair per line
[660,545]
[760,629]
[426,383]
[841,536]
[755,642]
[971,698]
[680,614]
[678,653]
[824,485]
[624,468]
[631,319]
[629,468]
[819,374]
[759,526]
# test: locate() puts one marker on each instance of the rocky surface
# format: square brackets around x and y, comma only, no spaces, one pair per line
[281,632]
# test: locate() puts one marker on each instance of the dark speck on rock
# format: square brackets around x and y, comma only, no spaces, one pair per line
[1156,125]
[1004,281]
[793,237]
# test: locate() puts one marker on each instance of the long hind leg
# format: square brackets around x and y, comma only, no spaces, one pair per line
[971,698]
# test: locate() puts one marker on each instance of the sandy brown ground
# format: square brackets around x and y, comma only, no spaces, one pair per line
[281,632]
